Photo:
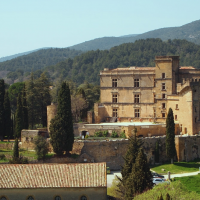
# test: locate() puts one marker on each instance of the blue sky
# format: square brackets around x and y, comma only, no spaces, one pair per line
[31,24]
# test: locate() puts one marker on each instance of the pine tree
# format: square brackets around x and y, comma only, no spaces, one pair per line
[18,118]
[2,112]
[62,124]
[16,150]
[170,135]
[24,109]
[140,178]
[133,148]
[7,118]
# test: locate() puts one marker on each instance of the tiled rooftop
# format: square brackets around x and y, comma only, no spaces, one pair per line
[53,175]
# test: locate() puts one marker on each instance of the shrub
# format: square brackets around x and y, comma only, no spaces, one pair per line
[41,147]
[86,136]
[98,134]
[2,156]
[114,134]
[105,133]
[20,160]
[122,135]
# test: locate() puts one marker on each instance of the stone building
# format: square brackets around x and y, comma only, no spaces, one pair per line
[144,94]
[53,181]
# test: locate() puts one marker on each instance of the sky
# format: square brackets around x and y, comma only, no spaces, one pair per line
[27,25]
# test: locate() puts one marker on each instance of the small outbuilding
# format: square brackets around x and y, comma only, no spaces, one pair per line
[53,181]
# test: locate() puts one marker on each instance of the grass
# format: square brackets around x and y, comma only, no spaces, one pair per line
[177,167]
[190,182]
[30,154]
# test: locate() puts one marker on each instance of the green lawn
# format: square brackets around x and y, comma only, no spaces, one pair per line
[30,154]
[177,167]
[190,182]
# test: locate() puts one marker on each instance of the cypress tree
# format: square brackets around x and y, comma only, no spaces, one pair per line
[140,179]
[16,150]
[24,109]
[61,128]
[18,118]
[2,113]
[170,135]
[7,110]
[157,152]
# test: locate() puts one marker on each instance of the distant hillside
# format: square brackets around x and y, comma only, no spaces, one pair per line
[190,32]
[39,59]
[19,54]
[87,66]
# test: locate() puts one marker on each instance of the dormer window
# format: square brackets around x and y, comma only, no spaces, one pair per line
[163,75]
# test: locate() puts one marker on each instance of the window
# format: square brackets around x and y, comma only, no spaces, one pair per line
[154,113]
[136,83]
[114,112]
[176,117]
[57,198]
[154,82]
[163,115]
[137,98]
[185,130]
[163,86]
[154,100]
[114,82]
[114,98]
[83,198]
[195,109]
[195,119]
[163,96]
[163,106]
[195,79]
[30,198]
[163,75]
[180,127]
[176,106]
[3,198]
[137,112]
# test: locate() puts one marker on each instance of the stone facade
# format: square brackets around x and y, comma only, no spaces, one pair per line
[146,93]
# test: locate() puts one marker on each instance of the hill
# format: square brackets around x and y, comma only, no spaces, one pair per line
[86,67]
[190,32]
[19,54]
[39,59]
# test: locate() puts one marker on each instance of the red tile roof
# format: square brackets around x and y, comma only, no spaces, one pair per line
[53,175]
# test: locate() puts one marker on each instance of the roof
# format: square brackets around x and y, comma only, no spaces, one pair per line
[53,175]
[190,67]
[134,68]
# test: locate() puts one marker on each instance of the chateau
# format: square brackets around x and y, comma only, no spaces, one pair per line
[144,94]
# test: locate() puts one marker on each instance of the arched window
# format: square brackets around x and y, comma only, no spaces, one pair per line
[3,198]
[30,198]
[57,198]
[83,198]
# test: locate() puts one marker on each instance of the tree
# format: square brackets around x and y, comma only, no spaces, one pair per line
[24,109]
[140,179]
[2,112]
[61,127]
[18,118]
[41,147]
[7,116]
[170,135]
[129,160]
[16,150]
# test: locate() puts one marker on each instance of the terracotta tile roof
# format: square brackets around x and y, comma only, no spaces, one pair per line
[134,68]
[190,67]
[53,175]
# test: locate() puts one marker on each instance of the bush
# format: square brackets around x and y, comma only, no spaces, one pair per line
[105,133]
[2,156]
[98,134]
[20,160]
[114,134]
[86,136]
[41,147]
[123,135]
